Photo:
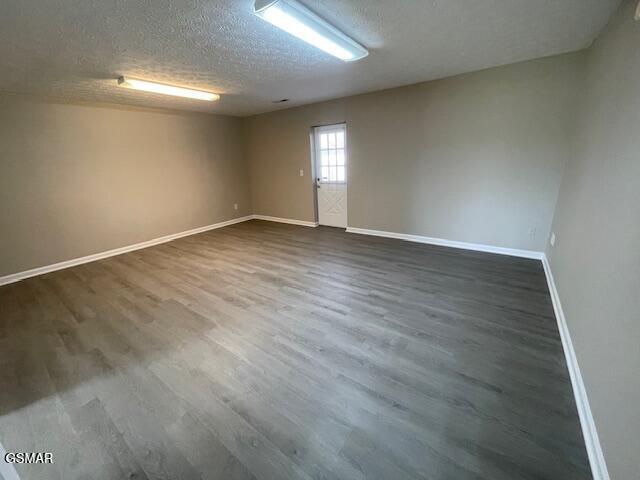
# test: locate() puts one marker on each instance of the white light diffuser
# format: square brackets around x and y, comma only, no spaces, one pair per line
[153,87]
[299,21]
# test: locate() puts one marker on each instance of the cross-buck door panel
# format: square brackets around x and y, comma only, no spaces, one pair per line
[331,174]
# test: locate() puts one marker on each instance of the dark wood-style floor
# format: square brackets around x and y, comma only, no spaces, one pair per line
[273,351]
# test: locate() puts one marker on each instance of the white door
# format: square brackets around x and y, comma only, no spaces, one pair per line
[331,174]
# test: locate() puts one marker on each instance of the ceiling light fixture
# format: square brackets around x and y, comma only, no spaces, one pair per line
[153,87]
[299,21]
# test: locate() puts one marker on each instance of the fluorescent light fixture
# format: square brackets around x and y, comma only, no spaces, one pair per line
[299,21]
[153,87]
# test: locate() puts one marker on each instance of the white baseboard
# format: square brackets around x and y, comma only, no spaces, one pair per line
[15,277]
[449,243]
[591,440]
[304,223]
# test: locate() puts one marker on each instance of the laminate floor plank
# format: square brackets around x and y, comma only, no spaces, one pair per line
[271,351]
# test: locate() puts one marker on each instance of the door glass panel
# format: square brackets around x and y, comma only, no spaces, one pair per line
[331,154]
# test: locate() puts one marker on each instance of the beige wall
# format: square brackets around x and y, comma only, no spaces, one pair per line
[77,180]
[475,158]
[596,257]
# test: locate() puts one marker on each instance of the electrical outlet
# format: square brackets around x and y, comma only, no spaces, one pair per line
[235,206]
[552,240]
[301,173]
[532,232]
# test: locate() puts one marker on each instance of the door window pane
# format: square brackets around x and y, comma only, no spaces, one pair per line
[331,154]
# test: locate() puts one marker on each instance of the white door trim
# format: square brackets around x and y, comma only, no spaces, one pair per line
[331,174]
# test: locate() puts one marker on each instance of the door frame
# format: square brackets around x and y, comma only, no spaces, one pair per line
[314,163]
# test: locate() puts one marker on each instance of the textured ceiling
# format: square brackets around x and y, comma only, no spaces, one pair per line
[75,49]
